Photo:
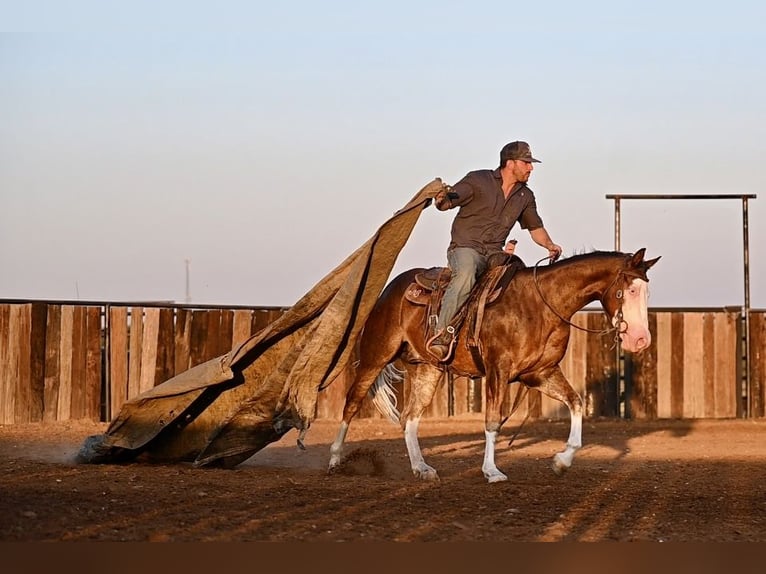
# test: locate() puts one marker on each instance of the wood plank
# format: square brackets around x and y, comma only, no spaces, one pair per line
[664,363]
[135,335]
[149,341]
[6,378]
[522,410]
[573,366]
[165,368]
[39,317]
[439,405]
[261,318]
[182,341]
[602,394]
[52,363]
[94,392]
[21,332]
[474,394]
[118,359]
[708,367]
[226,332]
[643,378]
[677,365]
[693,374]
[198,337]
[275,314]
[726,327]
[12,365]
[758,363]
[466,394]
[79,352]
[578,342]
[534,404]
[213,339]
[64,403]
[242,324]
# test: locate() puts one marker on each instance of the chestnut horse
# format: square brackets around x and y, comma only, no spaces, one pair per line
[523,337]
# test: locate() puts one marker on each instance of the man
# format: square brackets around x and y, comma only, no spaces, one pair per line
[491,202]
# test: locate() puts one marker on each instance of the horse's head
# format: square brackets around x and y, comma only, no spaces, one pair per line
[626,302]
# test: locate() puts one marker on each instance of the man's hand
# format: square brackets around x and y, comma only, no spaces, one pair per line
[510,247]
[442,198]
[554,252]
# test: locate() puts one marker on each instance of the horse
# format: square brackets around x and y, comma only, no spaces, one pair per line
[523,337]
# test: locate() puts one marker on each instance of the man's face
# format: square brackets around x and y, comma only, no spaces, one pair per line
[522,169]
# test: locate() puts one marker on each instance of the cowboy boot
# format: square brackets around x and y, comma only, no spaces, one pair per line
[442,344]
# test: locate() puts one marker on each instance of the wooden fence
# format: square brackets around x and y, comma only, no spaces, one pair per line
[62,361]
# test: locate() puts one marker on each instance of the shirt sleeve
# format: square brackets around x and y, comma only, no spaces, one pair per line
[464,190]
[529,218]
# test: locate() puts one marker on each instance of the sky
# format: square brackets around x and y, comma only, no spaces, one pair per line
[256,145]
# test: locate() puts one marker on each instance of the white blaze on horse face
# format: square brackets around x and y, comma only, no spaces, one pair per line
[635,318]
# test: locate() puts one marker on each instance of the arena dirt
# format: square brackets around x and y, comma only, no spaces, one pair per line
[633,481]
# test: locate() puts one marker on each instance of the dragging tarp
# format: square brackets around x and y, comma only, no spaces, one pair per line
[228,408]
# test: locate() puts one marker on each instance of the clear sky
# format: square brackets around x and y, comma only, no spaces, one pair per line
[265,141]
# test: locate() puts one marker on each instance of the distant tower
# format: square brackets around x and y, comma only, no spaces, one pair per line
[188,292]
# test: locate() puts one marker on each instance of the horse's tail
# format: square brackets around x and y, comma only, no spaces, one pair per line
[383,394]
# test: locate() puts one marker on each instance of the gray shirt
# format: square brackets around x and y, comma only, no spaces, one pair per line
[486,217]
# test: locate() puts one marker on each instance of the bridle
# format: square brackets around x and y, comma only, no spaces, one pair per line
[621,326]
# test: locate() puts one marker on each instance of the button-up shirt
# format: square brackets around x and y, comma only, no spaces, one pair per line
[486,217]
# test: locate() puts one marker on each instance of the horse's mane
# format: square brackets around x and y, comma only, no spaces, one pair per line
[594,253]
[585,254]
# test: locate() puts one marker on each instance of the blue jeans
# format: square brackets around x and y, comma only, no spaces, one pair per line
[466,265]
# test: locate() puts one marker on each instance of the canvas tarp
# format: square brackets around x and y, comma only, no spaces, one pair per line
[226,409]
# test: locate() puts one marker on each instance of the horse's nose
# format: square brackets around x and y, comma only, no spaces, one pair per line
[641,344]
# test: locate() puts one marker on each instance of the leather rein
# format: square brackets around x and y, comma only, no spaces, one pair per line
[617,330]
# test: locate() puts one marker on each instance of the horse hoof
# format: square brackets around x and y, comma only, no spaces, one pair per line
[427,474]
[499,477]
[559,466]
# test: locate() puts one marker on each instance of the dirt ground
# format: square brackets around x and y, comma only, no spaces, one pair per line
[632,481]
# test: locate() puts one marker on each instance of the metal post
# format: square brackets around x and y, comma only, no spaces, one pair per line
[621,396]
[746,311]
[745,383]
[108,362]
[188,286]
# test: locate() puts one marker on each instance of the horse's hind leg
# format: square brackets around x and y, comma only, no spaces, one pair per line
[554,384]
[363,380]
[424,380]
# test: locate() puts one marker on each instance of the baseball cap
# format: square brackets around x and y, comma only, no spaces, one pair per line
[517,150]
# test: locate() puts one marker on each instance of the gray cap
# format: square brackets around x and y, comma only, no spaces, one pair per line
[516,150]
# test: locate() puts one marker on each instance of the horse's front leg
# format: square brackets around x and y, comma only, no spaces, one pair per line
[424,381]
[493,420]
[554,384]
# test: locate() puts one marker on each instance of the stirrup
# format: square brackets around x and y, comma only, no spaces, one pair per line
[448,345]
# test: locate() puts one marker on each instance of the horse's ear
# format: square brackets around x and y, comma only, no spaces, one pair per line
[638,257]
[648,264]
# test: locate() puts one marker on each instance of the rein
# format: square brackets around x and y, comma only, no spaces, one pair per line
[618,330]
